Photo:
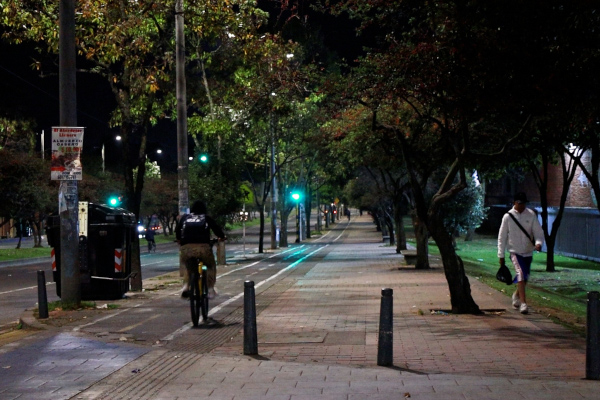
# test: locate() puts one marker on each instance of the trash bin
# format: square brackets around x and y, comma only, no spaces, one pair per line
[105,239]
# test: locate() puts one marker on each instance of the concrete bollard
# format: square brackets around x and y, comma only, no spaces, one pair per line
[250,334]
[385,349]
[592,355]
[42,295]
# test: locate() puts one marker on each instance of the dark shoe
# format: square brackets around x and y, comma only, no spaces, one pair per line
[185,294]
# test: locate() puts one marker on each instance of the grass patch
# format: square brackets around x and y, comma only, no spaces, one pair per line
[19,254]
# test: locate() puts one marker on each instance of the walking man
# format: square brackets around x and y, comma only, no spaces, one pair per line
[520,234]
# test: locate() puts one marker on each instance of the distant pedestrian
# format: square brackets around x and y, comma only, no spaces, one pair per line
[520,234]
[150,238]
[347,212]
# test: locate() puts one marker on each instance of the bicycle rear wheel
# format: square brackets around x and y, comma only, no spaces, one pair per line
[195,298]
[204,297]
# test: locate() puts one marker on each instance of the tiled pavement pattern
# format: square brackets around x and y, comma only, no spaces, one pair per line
[332,316]
[60,366]
[232,378]
[318,340]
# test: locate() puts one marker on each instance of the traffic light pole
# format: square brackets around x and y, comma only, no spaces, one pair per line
[68,200]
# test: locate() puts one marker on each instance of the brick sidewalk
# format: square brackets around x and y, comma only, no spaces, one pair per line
[331,316]
[318,340]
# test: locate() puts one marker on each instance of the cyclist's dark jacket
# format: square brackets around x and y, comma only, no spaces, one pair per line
[193,228]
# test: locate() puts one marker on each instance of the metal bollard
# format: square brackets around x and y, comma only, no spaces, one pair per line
[250,334]
[592,354]
[42,296]
[385,349]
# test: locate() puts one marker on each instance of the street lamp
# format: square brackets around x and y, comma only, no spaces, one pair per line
[118,139]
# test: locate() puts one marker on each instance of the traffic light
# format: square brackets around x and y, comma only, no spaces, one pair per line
[114,201]
[296,196]
[203,158]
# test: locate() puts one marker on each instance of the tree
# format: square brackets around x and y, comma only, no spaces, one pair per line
[274,84]
[131,46]
[27,193]
[466,211]
[441,86]
[160,199]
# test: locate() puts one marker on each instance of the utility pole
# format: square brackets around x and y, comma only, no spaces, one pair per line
[68,204]
[182,139]
[273,187]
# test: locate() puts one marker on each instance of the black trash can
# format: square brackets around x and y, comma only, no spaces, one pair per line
[106,237]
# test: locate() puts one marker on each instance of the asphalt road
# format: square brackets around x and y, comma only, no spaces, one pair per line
[18,282]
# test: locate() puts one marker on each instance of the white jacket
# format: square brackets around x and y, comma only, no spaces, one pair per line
[512,238]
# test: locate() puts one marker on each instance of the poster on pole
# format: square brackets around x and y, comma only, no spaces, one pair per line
[67,143]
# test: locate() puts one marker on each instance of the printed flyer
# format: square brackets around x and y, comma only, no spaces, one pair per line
[67,143]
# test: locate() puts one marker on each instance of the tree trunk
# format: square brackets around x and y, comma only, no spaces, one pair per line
[307,210]
[550,244]
[37,236]
[389,223]
[283,233]
[400,232]
[460,289]
[20,234]
[470,235]
[422,241]
[261,234]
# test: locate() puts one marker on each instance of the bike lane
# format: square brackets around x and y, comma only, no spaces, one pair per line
[61,364]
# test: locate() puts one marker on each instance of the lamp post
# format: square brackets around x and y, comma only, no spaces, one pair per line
[244,217]
[296,197]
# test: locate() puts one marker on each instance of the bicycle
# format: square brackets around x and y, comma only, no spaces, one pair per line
[199,291]
[199,294]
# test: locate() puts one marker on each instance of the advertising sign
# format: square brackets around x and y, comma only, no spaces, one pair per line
[67,143]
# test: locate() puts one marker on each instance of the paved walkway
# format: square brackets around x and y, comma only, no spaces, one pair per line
[319,341]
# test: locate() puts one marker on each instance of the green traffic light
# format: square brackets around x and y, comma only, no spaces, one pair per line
[296,196]
[114,201]
[203,158]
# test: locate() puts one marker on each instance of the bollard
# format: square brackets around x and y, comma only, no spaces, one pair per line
[385,349]
[42,296]
[592,354]
[250,335]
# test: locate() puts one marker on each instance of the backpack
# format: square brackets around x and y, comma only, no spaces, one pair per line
[195,229]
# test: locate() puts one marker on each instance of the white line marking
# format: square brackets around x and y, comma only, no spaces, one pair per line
[216,309]
[76,329]
[25,288]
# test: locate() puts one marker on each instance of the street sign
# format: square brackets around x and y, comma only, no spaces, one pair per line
[67,143]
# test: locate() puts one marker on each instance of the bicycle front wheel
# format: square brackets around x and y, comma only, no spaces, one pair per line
[204,297]
[195,298]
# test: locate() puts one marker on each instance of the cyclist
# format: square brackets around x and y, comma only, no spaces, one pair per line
[150,239]
[193,235]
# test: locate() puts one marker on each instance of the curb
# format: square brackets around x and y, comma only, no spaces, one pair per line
[28,320]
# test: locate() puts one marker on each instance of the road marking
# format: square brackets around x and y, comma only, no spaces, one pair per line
[127,328]
[216,309]
[25,288]
[78,328]
[156,262]
[251,265]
